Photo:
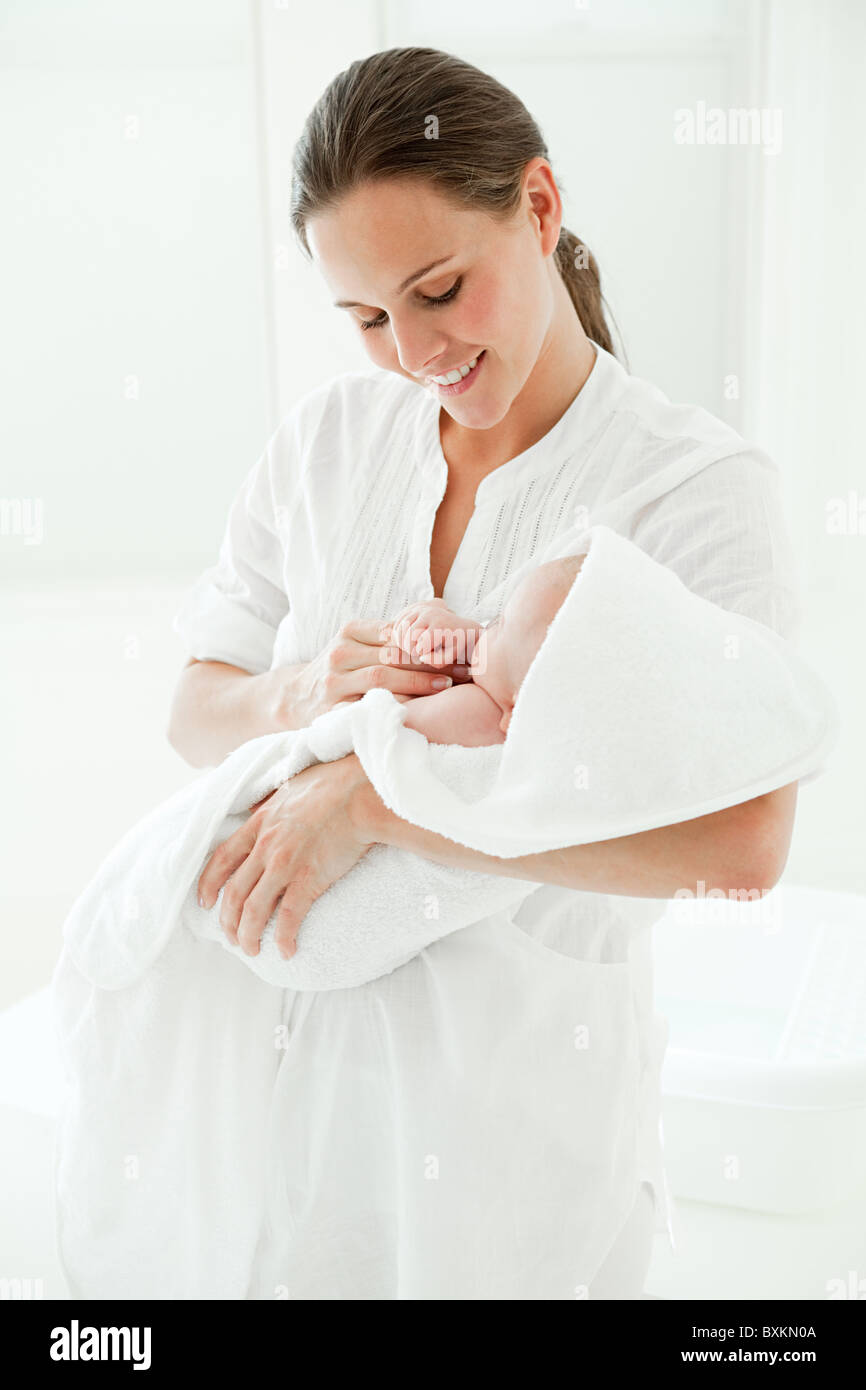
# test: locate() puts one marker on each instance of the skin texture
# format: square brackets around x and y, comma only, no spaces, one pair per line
[512,305]
[507,647]
[499,655]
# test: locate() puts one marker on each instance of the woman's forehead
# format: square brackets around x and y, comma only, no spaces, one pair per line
[382,234]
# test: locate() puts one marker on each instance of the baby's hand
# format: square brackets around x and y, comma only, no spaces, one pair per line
[430,632]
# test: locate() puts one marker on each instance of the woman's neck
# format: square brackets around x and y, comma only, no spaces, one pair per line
[558,376]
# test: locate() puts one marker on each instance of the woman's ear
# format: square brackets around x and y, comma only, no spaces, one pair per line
[545,202]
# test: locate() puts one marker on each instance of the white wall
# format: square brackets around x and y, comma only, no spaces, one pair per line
[135,372]
[807,365]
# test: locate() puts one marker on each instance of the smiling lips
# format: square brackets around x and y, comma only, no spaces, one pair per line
[458,380]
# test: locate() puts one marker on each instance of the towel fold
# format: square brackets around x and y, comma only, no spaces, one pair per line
[644,706]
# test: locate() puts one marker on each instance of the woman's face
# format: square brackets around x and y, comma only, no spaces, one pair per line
[432,287]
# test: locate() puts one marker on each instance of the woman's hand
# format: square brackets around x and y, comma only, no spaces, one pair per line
[360,658]
[430,632]
[297,842]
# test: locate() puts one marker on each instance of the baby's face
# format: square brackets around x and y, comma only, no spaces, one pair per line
[506,648]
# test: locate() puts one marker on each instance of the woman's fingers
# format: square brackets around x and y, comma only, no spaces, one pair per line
[404,680]
[298,898]
[298,885]
[302,842]
[222,863]
[355,639]
[393,656]
[365,631]
[366,655]
[259,907]
[235,894]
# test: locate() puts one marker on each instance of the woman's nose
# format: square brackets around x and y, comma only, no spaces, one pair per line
[418,349]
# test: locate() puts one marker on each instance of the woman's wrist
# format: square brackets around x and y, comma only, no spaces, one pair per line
[282,698]
[367,810]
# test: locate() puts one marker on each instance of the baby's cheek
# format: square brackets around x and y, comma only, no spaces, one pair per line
[493,666]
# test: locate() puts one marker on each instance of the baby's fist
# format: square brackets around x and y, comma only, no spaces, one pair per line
[430,632]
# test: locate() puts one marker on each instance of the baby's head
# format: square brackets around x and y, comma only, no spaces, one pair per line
[505,650]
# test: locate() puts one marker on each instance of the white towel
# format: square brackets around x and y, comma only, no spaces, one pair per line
[645,706]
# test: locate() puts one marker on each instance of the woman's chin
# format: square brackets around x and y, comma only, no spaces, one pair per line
[477,414]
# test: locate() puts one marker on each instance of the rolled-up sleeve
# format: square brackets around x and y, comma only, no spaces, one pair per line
[233,610]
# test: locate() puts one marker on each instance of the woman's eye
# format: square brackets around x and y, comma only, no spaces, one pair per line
[449,294]
[382,318]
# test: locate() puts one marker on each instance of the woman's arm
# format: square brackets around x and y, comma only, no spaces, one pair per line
[315,827]
[217,707]
[741,849]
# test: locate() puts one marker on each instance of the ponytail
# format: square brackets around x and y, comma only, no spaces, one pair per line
[579,269]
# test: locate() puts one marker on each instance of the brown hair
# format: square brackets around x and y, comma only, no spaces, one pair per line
[420,113]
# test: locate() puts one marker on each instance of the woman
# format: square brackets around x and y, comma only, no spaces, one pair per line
[407,1140]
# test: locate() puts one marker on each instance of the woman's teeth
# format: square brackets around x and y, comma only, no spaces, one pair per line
[451,378]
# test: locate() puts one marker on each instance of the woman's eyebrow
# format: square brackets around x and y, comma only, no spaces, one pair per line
[410,280]
[419,274]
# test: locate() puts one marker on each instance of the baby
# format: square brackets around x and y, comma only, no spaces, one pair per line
[346,939]
[499,655]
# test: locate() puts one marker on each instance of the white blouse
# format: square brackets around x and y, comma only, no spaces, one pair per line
[334,522]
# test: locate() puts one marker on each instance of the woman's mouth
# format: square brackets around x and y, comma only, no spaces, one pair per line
[455,382]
